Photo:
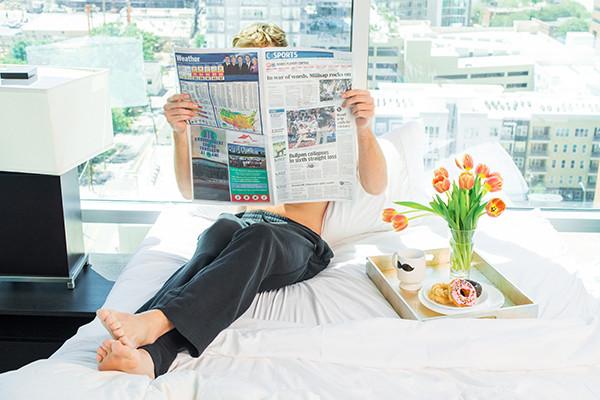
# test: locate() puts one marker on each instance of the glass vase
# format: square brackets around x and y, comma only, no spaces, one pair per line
[461,253]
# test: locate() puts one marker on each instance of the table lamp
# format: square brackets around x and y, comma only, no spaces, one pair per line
[49,124]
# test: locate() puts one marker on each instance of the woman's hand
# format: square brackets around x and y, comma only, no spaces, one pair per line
[362,106]
[180,109]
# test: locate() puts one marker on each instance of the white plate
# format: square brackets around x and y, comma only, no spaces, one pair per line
[491,299]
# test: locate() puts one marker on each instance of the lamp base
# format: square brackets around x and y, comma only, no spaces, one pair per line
[70,280]
[42,234]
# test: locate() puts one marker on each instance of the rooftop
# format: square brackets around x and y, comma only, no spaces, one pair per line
[65,22]
[490,99]
[493,61]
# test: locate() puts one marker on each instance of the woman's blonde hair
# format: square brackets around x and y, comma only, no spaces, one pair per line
[260,35]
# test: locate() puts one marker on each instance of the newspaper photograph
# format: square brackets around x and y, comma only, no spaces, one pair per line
[272,127]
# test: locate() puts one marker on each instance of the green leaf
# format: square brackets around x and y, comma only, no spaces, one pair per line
[414,205]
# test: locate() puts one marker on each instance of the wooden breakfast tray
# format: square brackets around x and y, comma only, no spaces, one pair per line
[406,303]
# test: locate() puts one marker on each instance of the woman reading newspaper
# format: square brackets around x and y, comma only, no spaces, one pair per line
[260,249]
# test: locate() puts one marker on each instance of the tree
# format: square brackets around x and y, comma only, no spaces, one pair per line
[151,43]
[18,50]
[572,25]
[199,40]
[508,19]
[120,121]
[552,12]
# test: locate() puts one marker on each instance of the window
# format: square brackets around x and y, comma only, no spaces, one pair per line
[581,132]
[140,165]
[572,163]
[488,75]
[468,85]
[450,77]
[387,52]
[456,69]
[518,73]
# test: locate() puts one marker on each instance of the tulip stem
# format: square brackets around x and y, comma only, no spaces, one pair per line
[410,211]
[419,216]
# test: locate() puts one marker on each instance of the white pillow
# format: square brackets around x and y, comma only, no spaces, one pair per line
[403,149]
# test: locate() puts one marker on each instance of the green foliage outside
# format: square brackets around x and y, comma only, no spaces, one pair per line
[199,40]
[151,43]
[507,19]
[572,25]
[18,53]
[121,121]
[578,22]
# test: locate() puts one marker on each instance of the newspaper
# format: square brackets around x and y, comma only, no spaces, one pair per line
[272,128]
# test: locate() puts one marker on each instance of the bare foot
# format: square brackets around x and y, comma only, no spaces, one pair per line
[120,357]
[103,350]
[135,330]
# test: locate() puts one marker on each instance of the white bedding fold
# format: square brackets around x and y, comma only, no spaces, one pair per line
[498,345]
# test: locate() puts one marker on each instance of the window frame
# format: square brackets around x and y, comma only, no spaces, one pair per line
[564,219]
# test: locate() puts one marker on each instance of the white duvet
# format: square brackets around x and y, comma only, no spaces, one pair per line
[335,336]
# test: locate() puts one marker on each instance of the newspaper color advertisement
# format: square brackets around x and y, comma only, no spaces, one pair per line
[272,127]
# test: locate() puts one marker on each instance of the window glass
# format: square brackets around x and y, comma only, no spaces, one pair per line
[522,74]
[136,43]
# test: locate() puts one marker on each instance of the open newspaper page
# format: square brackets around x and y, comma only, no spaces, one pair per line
[228,157]
[313,138]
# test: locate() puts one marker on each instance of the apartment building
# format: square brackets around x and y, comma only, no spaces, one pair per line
[405,9]
[438,12]
[450,13]
[424,63]
[310,23]
[554,141]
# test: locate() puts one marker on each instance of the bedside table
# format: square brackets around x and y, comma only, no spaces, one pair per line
[37,318]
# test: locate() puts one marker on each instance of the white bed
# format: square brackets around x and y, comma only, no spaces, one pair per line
[335,336]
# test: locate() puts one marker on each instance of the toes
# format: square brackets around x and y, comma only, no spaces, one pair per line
[101,353]
[127,342]
[102,314]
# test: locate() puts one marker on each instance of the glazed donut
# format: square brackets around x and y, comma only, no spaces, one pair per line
[440,293]
[462,293]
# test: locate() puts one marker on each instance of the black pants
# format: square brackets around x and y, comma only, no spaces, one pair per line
[236,258]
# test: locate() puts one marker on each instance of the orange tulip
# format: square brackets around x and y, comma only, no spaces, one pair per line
[441,183]
[495,207]
[493,183]
[399,222]
[466,180]
[387,214]
[482,171]
[441,171]
[465,163]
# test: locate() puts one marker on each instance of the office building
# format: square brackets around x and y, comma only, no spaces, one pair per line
[307,22]
[554,141]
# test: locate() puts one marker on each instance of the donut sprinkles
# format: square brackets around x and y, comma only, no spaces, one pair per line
[462,293]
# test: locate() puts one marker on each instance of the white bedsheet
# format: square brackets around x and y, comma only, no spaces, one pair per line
[335,337]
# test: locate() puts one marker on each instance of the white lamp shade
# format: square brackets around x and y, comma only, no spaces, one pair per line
[56,122]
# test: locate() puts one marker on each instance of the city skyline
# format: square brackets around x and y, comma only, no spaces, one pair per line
[489,67]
